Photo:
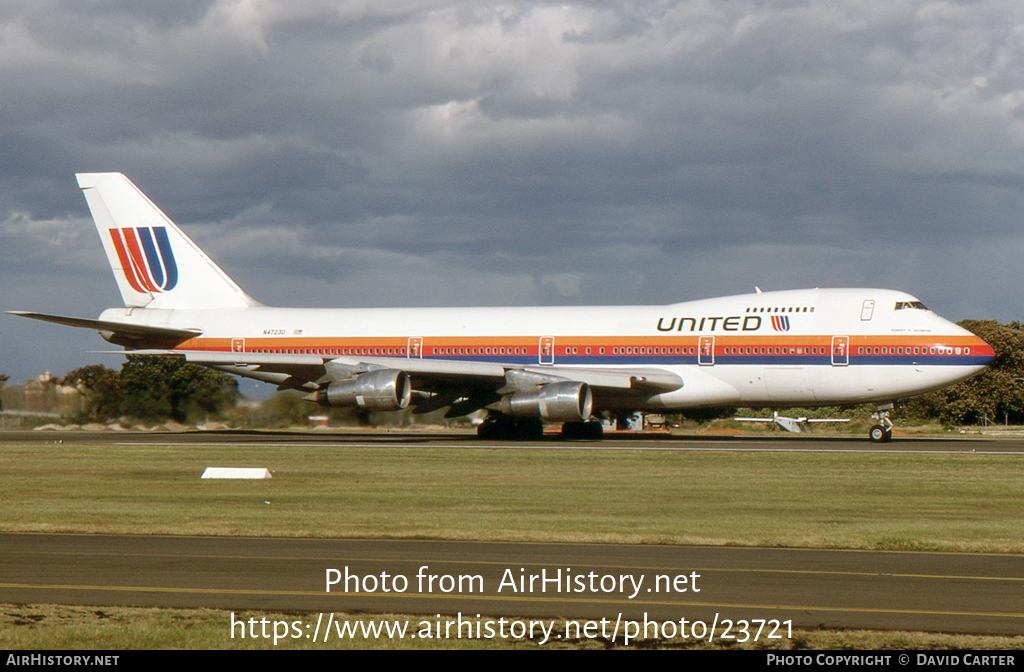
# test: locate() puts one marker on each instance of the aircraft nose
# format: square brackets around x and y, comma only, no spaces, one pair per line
[982,354]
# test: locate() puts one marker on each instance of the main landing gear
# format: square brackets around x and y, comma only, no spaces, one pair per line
[882,432]
[506,428]
[587,431]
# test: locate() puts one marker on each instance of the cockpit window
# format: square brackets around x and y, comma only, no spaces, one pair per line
[910,305]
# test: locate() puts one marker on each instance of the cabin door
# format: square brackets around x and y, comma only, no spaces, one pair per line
[840,350]
[706,351]
[415,348]
[546,350]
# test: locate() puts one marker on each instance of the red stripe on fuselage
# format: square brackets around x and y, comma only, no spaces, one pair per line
[618,346]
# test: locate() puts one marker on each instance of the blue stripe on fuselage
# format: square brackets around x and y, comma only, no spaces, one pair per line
[723,360]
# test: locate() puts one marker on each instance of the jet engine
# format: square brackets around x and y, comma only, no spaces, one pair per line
[379,390]
[560,402]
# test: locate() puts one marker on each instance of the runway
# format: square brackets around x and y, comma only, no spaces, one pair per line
[769,442]
[947,592]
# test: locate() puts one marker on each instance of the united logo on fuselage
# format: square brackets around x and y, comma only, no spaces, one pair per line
[730,323]
[146,258]
[780,322]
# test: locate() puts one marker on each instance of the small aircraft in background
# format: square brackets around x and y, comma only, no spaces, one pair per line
[795,425]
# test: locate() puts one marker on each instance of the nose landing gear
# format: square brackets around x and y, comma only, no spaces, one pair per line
[882,432]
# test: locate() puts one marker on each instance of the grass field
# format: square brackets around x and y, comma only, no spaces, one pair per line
[50,627]
[962,502]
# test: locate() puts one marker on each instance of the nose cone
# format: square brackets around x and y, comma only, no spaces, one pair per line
[981,353]
[959,355]
[968,349]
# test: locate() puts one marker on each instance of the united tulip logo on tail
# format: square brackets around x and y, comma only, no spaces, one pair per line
[146,258]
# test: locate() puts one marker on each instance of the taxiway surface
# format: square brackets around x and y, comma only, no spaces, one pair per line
[775,441]
[950,592]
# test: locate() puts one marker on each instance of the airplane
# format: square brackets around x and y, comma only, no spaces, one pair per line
[524,365]
[794,425]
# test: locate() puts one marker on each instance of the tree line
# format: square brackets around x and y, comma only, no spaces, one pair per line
[996,395]
[152,388]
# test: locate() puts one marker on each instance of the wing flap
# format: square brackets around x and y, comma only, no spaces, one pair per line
[643,381]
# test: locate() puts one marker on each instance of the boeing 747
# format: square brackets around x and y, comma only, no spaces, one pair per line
[810,347]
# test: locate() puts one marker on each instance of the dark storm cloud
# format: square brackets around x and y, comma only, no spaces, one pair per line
[430,153]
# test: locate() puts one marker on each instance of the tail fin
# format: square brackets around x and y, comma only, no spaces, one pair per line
[155,264]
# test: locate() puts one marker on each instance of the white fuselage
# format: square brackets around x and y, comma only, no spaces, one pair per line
[789,348]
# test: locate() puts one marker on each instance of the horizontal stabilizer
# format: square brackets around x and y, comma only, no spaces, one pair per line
[130,333]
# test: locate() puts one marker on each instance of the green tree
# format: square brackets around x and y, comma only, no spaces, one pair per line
[3,381]
[102,389]
[164,387]
[998,393]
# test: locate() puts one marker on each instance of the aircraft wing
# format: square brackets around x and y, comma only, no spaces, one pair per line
[307,372]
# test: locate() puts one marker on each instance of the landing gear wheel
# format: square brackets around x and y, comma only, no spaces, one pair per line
[487,431]
[585,431]
[528,429]
[496,428]
[882,432]
[505,428]
[878,434]
[572,430]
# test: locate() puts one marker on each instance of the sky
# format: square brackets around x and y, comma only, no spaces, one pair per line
[408,153]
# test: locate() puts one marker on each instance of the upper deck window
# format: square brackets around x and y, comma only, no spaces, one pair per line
[778,309]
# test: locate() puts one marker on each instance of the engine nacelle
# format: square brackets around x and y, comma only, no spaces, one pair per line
[559,402]
[380,390]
